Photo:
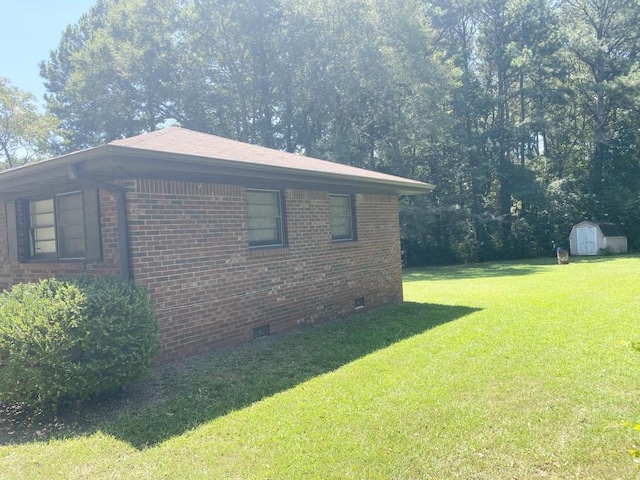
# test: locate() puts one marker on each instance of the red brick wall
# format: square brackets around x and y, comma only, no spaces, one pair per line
[189,246]
[12,272]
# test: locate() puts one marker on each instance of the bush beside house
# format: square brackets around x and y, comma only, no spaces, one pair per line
[62,341]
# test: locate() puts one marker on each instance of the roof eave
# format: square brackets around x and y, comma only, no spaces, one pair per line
[131,161]
[113,161]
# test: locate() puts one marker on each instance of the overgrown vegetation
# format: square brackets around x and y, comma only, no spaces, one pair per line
[607,251]
[534,375]
[65,341]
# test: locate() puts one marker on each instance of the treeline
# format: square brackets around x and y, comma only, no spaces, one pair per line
[524,113]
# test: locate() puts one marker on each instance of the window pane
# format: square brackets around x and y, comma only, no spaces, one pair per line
[256,197]
[44,247]
[264,218]
[70,225]
[42,230]
[341,217]
[71,241]
[42,207]
[42,219]
[69,209]
[263,211]
[44,234]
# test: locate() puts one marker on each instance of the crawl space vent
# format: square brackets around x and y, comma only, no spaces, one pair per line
[261,331]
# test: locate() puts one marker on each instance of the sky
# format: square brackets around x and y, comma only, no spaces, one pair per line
[30,30]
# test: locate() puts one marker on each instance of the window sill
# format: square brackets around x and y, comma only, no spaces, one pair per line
[55,260]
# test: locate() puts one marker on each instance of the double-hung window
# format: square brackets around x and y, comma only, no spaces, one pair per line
[62,227]
[42,229]
[342,217]
[57,227]
[265,220]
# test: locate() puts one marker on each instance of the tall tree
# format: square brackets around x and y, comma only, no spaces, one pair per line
[25,133]
[603,38]
[234,40]
[113,71]
[512,113]
[503,49]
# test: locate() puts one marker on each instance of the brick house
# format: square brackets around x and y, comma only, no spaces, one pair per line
[232,240]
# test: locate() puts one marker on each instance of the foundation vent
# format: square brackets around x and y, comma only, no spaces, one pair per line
[261,331]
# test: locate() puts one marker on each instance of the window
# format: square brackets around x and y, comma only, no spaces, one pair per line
[70,225]
[264,218]
[342,217]
[42,229]
[57,227]
[62,227]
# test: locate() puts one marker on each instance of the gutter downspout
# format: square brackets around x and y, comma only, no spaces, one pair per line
[121,213]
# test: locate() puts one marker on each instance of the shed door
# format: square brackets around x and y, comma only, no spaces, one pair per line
[586,237]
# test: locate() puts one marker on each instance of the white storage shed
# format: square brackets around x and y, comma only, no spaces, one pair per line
[589,238]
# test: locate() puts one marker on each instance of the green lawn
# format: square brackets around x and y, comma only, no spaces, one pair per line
[494,371]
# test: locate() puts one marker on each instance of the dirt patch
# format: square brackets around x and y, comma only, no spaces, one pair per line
[19,425]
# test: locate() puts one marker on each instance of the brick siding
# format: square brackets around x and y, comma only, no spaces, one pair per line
[189,246]
[12,272]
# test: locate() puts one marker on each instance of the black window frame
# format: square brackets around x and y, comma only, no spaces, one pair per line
[280,219]
[19,232]
[59,226]
[352,218]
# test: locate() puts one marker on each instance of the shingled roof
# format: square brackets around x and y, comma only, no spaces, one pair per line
[611,229]
[180,153]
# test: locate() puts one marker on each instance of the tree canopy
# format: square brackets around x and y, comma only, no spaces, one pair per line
[524,113]
[25,133]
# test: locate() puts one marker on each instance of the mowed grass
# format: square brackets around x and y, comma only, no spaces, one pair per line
[495,371]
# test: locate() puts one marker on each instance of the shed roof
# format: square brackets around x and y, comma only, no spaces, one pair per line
[179,153]
[611,229]
[608,229]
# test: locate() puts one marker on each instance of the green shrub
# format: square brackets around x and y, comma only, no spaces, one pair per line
[62,341]
[607,251]
[40,342]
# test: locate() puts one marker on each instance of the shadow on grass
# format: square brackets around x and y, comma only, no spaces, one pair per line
[506,268]
[478,270]
[181,396]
